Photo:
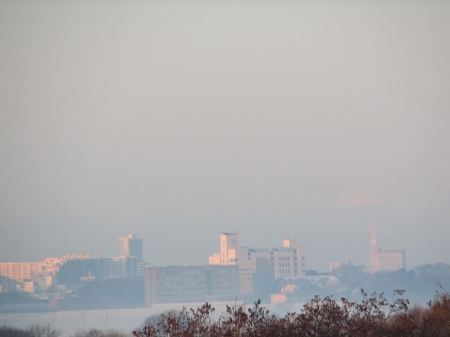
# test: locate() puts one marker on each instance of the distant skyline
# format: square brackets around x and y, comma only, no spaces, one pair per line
[177,121]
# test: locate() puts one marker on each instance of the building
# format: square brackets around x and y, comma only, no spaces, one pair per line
[180,284]
[229,250]
[131,246]
[18,271]
[389,260]
[23,274]
[73,270]
[286,261]
[69,271]
[256,279]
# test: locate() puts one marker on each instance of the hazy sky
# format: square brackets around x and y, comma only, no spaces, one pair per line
[179,120]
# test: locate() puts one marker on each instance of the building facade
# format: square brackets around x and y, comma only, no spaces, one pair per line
[391,260]
[180,284]
[131,246]
[18,271]
[73,270]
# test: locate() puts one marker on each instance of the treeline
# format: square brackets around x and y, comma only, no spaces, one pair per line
[32,330]
[372,316]
[45,330]
[420,283]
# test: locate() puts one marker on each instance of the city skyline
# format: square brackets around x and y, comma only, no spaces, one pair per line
[231,252]
[256,269]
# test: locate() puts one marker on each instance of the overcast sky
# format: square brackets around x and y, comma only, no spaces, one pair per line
[179,120]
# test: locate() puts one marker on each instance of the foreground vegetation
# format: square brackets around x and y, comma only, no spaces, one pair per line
[372,316]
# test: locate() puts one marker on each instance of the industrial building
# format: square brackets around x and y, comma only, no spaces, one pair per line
[389,260]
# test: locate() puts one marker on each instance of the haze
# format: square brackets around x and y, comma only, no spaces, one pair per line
[178,121]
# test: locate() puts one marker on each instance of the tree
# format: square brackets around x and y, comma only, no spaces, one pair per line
[436,321]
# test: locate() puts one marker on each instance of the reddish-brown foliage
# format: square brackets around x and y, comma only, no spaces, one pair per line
[372,316]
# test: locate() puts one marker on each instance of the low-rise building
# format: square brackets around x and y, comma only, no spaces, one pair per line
[178,284]
[392,260]
[74,269]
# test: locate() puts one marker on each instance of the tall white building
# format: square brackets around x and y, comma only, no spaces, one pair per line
[131,246]
[230,250]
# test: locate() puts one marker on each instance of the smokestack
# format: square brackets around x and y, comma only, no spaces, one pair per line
[374,262]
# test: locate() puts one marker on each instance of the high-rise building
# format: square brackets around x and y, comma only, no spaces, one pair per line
[229,243]
[131,246]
